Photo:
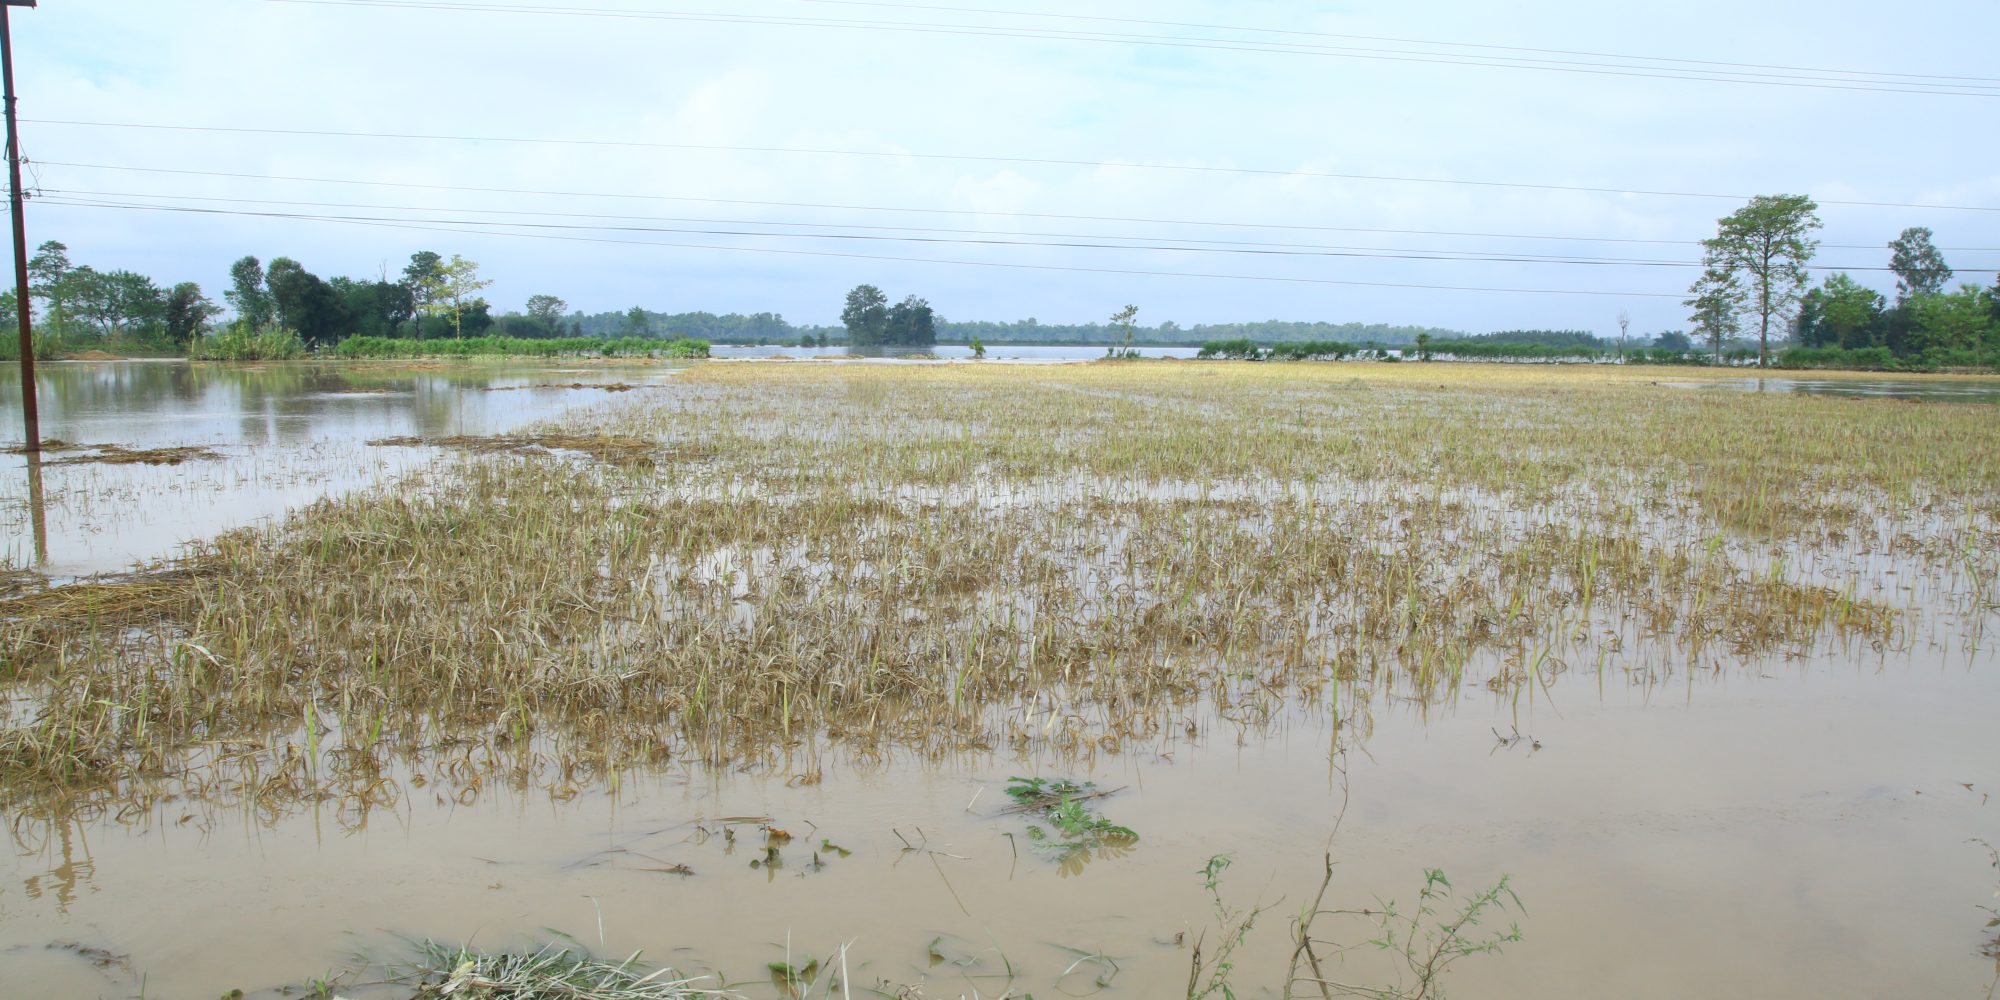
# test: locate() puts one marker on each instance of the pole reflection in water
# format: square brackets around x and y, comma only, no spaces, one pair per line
[37,508]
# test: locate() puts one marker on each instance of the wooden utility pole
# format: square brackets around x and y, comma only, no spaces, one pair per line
[30,419]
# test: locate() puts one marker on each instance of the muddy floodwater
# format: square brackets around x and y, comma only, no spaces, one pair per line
[1801,831]
[1716,708]
[279,435]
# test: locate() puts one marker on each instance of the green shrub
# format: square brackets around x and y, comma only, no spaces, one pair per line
[1242,349]
[241,343]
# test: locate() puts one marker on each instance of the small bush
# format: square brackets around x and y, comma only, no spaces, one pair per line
[1242,349]
[241,343]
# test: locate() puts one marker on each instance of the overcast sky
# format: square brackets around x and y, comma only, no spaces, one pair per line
[1201,124]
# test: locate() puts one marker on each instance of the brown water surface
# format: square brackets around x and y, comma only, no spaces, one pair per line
[1790,831]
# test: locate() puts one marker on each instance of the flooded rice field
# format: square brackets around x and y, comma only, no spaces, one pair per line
[1120,680]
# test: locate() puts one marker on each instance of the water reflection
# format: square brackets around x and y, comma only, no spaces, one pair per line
[38,519]
[994,352]
[1966,390]
[73,874]
[289,433]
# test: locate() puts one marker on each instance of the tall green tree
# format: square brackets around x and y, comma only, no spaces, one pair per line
[912,323]
[187,313]
[1842,312]
[424,277]
[1713,311]
[1763,248]
[1919,265]
[248,294]
[305,304]
[459,283]
[548,310]
[47,270]
[866,316]
[373,308]
[137,306]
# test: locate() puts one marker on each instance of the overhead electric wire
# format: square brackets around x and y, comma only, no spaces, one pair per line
[978,158]
[940,234]
[1691,73]
[1135,220]
[1287,279]
[1381,38]
[1363,253]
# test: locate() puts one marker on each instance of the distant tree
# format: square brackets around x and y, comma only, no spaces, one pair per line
[1123,319]
[475,318]
[113,303]
[1763,248]
[1673,340]
[187,313]
[637,323]
[459,280]
[1842,312]
[1543,338]
[1423,347]
[866,315]
[373,308]
[1714,307]
[306,304]
[549,311]
[137,306]
[85,297]
[1919,266]
[912,323]
[1624,324]
[248,294]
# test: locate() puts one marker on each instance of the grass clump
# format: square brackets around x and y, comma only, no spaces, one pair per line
[550,974]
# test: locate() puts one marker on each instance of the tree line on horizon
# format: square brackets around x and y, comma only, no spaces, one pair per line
[1753,284]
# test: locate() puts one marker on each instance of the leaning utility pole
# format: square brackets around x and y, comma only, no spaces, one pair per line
[30,419]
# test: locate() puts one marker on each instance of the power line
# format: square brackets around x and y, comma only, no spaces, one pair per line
[401,224]
[968,157]
[1692,72]
[950,235]
[1381,253]
[623,196]
[1394,40]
